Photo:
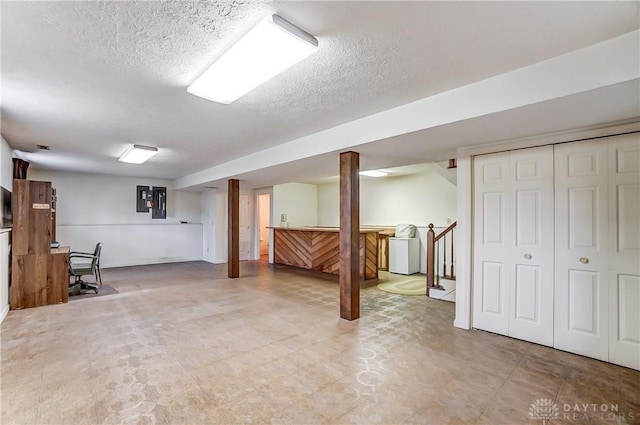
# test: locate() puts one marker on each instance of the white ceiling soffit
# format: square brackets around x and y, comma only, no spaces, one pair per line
[91,78]
[605,65]
[596,107]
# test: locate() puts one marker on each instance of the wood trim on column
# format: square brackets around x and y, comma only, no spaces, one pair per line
[349,235]
[233,203]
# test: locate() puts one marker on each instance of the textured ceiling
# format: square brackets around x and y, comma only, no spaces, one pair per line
[89,78]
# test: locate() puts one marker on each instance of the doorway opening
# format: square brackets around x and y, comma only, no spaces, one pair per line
[264,220]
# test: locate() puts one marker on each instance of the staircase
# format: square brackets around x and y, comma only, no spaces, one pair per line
[446,291]
[444,169]
[441,277]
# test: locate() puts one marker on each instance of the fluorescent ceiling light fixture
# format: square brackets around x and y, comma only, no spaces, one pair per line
[137,154]
[269,48]
[374,173]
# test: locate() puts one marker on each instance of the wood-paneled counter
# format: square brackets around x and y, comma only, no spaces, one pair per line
[318,248]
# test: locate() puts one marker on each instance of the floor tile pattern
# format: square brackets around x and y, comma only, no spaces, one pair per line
[182,344]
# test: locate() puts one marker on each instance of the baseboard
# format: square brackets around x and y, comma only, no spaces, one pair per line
[217,261]
[4,313]
[460,324]
[146,263]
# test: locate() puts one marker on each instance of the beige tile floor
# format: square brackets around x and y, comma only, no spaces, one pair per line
[181,344]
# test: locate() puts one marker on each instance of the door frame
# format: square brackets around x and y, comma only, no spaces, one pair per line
[464,238]
[255,247]
[250,223]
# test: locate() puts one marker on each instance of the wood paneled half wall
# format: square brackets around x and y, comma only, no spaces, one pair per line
[318,249]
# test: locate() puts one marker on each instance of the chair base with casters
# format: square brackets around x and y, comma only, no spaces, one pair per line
[84,264]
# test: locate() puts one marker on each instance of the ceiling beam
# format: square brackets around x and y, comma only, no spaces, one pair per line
[611,62]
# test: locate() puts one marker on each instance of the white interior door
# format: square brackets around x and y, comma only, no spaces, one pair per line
[513,244]
[624,247]
[531,258]
[245,227]
[581,287]
[492,236]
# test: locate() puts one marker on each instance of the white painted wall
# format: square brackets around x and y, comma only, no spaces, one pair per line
[208,211]
[418,199]
[299,201]
[5,260]
[6,181]
[220,227]
[95,208]
[217,200]
[6,164]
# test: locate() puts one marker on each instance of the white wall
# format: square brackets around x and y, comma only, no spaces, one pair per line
[208,211]
[298,201]
[418,199]
[214,225]
[95,208]
[6,164]
[6,181]
[215,221]
[220,227]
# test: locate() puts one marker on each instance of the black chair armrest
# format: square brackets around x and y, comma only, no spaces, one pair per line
[81,255]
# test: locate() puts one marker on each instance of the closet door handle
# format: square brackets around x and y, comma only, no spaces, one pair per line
[584,260]
[527,256]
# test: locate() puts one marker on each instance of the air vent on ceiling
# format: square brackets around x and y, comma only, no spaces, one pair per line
[44,147]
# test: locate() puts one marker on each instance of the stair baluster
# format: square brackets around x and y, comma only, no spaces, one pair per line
[452,276]
[433,257]
[444,256]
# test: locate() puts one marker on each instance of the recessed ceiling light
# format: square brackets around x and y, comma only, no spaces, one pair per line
[265,51]
[374,173]
[137,154]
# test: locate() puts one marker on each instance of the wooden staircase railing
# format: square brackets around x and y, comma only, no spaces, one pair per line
[433,257]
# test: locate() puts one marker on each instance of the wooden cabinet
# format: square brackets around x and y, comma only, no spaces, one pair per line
[31,217]
[39,275]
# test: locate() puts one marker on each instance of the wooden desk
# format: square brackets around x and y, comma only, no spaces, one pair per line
[318,248]
[40,279]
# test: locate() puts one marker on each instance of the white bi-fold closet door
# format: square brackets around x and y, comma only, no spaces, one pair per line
[582,248]
[557,246]
[513,249]
[597,279]
[624,251]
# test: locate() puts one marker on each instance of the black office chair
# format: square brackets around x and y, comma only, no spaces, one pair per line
[85,263]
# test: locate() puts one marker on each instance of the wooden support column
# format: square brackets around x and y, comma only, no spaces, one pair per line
[349,236]
[234,228]
[431,238]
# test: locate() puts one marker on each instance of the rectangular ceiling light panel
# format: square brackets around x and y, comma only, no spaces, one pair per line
[269,48]
[374,173]
[137,154]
